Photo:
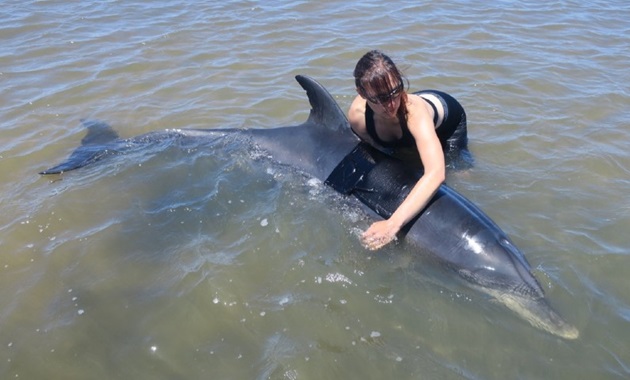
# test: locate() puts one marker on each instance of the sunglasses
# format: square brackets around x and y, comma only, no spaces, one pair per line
[385,98]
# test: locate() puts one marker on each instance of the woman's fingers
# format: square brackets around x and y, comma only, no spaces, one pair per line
[379,234]
[374,242]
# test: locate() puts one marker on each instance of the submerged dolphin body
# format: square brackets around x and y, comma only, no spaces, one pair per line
[451,229]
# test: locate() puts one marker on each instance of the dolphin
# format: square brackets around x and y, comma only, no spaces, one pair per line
[450,230]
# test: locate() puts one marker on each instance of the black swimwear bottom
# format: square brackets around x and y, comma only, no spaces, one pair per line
[453,131]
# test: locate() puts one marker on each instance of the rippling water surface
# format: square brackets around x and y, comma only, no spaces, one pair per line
[203,260]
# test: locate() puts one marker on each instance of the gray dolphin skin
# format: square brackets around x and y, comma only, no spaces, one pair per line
[450,230]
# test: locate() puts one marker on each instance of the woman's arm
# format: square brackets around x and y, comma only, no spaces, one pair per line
[423,130]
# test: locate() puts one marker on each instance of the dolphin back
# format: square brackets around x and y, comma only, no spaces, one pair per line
[379,181]
[325,118]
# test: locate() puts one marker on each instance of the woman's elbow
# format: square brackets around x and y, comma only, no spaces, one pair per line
[438,175]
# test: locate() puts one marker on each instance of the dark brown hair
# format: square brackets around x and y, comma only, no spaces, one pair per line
[375,71]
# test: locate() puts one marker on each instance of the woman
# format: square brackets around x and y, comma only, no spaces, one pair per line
[430,123]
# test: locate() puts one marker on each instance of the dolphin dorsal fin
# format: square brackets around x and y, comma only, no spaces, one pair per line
[98,132]
[324,109]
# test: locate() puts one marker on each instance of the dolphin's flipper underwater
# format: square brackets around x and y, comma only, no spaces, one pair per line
[93,147]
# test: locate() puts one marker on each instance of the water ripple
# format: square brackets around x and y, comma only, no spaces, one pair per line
[148,240]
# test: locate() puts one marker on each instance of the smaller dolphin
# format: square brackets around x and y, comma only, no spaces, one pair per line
[450,229]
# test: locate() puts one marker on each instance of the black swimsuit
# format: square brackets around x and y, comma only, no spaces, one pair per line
[451,132]
[406,140]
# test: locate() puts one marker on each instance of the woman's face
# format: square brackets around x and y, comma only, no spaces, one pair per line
[387,102]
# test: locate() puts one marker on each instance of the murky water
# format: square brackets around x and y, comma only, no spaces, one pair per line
[203,260]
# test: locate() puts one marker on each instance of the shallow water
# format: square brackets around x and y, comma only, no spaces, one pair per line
[203,260]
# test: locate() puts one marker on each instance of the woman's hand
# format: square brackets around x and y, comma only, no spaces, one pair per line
[379,234]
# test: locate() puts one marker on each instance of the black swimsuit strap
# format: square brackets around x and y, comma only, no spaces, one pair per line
[369,124]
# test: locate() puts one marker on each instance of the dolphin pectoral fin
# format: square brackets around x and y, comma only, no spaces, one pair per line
[350,172]
[93,147]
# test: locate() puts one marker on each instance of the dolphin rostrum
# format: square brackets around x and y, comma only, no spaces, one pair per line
[450,229]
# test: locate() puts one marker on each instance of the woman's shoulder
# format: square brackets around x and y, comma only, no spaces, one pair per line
[356,118]
[415,101]
[356,112]
[418,107]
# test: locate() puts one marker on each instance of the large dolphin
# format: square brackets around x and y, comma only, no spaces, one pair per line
[451,229]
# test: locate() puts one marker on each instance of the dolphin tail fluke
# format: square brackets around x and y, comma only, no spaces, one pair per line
[324,109]
[92,147]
